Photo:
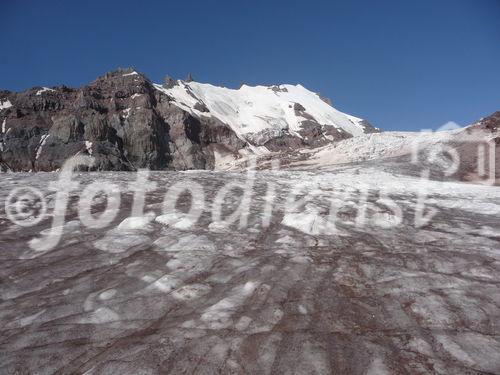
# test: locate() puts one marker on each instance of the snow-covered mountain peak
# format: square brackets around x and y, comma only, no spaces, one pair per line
[253,111]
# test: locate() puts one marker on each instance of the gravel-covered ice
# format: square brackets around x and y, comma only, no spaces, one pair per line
[148,294]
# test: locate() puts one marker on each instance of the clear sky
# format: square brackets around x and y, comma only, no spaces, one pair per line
[402,65]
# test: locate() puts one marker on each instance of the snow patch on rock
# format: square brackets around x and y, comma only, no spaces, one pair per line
[44,89]
[43,140]
[4,104]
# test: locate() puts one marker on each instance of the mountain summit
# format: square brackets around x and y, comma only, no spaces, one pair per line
[127,122]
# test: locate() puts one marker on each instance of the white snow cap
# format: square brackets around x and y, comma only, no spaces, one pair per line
[44,89]
[253,109]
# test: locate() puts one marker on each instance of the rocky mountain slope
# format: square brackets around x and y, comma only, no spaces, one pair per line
[127,122]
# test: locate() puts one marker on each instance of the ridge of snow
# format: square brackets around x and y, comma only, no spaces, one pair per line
[3,125]
[130,74]
[251,109]
[44,89]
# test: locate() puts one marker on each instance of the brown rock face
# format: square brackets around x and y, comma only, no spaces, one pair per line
[480,140]
[490,123]
[120,118]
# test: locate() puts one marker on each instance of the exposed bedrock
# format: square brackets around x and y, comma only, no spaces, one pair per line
[126,122]
[120,118]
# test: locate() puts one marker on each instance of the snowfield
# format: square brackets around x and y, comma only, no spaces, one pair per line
[291,291]
[372,146]
[254,109]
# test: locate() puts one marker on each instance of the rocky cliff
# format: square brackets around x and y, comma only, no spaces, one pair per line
[127,122]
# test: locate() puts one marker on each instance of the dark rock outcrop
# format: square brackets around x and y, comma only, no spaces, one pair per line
[169,82]
[480,140]
[120,118]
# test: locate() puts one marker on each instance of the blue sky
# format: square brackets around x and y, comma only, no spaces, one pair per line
[402,65]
